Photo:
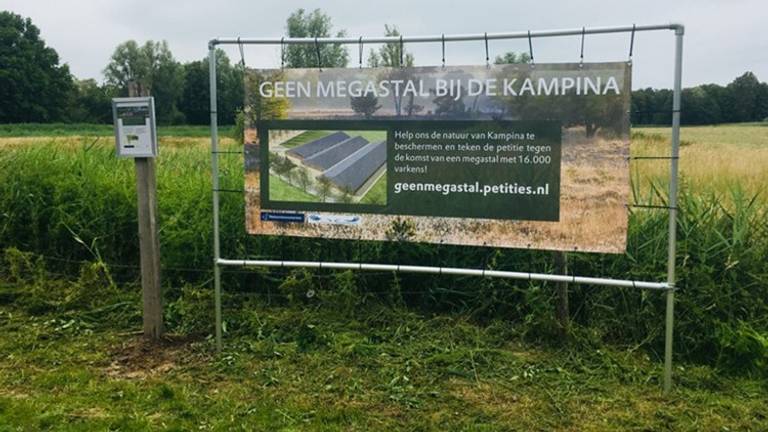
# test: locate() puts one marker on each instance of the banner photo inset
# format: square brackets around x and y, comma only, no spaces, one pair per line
[506,155]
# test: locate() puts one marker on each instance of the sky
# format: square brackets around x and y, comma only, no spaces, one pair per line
[723,38]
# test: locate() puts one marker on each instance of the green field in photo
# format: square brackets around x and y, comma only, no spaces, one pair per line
[280,190]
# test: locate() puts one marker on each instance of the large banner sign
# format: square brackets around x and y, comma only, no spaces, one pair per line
[507,155]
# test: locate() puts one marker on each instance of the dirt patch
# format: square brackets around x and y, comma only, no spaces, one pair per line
[141,358]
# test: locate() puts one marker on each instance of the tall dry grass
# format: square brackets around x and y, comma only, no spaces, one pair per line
[70,198]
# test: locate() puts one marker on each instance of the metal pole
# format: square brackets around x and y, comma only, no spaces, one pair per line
[673,168]
[215,182]
[447,271]
[447,38]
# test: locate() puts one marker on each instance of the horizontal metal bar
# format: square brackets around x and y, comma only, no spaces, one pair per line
[443,38]
[446,271]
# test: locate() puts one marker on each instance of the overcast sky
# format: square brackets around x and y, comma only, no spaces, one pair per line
[723,38]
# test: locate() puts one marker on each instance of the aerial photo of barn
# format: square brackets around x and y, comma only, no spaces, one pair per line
[349,162]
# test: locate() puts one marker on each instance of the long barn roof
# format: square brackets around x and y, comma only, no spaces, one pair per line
[329,157]
[318,145]
[355,170]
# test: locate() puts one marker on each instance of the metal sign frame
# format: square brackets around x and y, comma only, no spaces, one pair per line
[122,148]
[668,286]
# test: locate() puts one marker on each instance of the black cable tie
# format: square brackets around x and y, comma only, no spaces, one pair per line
[487,57]
[242,55]
[401,50]
[583,32]
[317,50]
[282,52]
[530,48]
[631,43]
[229,190]
[360,50]
[443,50]
[226,152]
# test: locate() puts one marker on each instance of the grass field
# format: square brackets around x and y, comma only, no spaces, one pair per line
[372,351]
[280,190]
[712,158]
[77,130]
[378,193]
[323,369]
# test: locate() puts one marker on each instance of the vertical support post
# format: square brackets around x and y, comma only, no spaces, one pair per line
[673,169]
[149,240]
[149,244]
[215,183]
[563,312]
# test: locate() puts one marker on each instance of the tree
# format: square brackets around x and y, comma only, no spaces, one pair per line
[449,105]
[512,57]
[744,92]
[195,102]
[310,25]
[303,178]
[365,105]
[347,195]
[324,187]
[34,87]
[700,107]
[258,107]
[91,103]
[389,56]
[153,70]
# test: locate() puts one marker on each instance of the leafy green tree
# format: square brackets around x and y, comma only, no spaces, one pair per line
[91,102]
[512,57]
[701,107]
[34,87]
[744,93]
[258,107]
[388,56]
[195,102]
[301,24]
[152,69]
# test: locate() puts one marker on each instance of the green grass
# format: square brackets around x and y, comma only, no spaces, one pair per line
[323,367]
[280,190]
[368,351]
[72,199]
[378,193]
[76,129]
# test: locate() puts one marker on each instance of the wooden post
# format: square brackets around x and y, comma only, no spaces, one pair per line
[149,242]
[563,312]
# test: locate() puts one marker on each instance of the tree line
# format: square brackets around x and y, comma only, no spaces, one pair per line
[36,87]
